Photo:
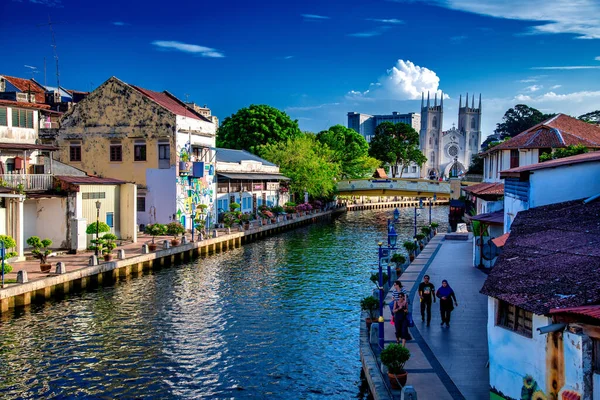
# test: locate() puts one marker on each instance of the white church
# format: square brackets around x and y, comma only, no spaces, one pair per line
[449,152]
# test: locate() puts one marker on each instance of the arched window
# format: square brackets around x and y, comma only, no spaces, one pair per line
[473,126]
[432,158]
[434,122]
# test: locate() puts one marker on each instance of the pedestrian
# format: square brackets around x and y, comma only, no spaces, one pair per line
[426,290]
[401,319]
[396,290]
[446,295]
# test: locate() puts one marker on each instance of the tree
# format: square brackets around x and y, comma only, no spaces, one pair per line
[396,145]
[519,119]
[350,150]
[591,117]
[571,150]
[310,165]
[476,166]
[257,125]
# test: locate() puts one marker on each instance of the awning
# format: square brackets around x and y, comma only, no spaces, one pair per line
[253,177]
[493,218]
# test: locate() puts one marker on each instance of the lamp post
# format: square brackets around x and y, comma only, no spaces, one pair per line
[418,208]
[381,337]
[430,201]
[98,204]
[384,253]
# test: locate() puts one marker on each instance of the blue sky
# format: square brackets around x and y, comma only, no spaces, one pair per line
[318,60]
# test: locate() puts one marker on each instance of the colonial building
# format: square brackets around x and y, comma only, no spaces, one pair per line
[125,132]
[543,326]
[365,124]
[248,180]
[449,152]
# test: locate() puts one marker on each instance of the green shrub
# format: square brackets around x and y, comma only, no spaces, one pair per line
[398,258]
[155,230]
[40,248]
[102,228]
[375,278]
[394,357]
[370,304]
[234,206]
[175,229]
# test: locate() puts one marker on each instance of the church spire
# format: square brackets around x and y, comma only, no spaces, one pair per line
[460,101]
[467,100]
[473,102]
[442,101]
[479,102]
[422,100]
[428,99]
[435,101]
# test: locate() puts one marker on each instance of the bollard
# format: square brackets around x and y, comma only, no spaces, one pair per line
[145,249]
[229,231]
[240,228]
[374,334]
[61,268]
[184,240]
[200,236]
[215,233]
[408,393]
[22,277]
[93,260]
[166,244]
[121,254]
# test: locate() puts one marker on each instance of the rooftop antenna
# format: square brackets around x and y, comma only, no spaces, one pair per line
[50,23]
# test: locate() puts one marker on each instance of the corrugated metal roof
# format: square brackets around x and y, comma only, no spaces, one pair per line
[493,218]
[90,180]
[592,311]
[170,102]
[253,176]
[237,156]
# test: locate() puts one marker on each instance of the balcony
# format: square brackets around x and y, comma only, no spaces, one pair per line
[29,182]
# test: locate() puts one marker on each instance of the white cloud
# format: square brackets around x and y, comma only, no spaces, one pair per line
[555,87]
[528,80]
[597,58]
[120,23]
[569,67]
[188,48]
[581,17]
[288,57]
[458,39]
[314,16]
[533,88]
[310,108]
[367,34]
[48,3]
[392,21]
[404,81]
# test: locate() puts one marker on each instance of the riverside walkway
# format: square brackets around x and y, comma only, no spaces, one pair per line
[446,363]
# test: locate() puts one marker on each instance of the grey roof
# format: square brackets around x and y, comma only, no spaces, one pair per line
[253,176]
[237,156]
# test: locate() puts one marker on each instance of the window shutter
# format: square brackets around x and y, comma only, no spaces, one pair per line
[22,119]
[3,117]
[15,117]
[29,119]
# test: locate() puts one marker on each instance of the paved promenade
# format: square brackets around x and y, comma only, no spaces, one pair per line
[447,363]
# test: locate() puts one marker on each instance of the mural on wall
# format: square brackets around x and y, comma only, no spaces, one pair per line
[194,191]
[531,391]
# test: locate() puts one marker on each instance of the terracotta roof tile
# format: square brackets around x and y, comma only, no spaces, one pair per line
[90,180]
[485,188]
[23,104]
[558,131]
[28,85]
[551,258]
[170,102]
[592,311]
[500,241]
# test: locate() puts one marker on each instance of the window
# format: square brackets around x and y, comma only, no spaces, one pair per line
[3,116]
[473,124]
[222,205]
[405,170]
[22,118]
[432,158]
[116,152]
[514,158]
[93,195]
[139,151]
[514,318]
[141,203]
[596,356]
[75,151]
[110,219]
[164,156]
[413,169]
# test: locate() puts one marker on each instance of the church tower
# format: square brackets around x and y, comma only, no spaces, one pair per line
[469,123]
[430,137]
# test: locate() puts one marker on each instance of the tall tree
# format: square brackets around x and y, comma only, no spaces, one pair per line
[396,145]
[519,119]
[254,126]
[351,151]
[310,165]
[591,117]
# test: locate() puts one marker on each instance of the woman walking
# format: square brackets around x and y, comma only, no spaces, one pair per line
[446,295]
[396,290]
[401,319]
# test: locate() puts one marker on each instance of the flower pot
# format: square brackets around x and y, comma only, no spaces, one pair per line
[175,242]
[398,381]
[411,257]
[421,245]
[273,220]
[152,246]
[108,257]
[45,267]
[246,226]
[369,322]
[398,271]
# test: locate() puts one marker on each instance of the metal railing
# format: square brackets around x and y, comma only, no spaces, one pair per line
[28,181]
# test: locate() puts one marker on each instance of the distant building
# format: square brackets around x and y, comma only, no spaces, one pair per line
[204,111]
[365,124]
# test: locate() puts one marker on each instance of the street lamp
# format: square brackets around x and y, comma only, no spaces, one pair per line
[98,204]
[384,253]
[434,199]
[396,214]
[418,208]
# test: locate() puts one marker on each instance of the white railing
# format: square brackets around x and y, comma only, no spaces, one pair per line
[29,181]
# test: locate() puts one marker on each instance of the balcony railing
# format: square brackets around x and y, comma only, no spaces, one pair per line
[28,181]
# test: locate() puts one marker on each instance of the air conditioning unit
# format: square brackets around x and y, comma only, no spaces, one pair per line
[22,97]
[57,97]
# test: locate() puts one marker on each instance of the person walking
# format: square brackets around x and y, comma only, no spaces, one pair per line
[396,290]
[446,295]
[426,290]
[401,319]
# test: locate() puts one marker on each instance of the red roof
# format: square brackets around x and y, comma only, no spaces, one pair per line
[592,311]
[90,180]
[558,131]
[485,188]
[27,146]
[170,102]
[28,86]
[500,240]
[577,159]
[24,104]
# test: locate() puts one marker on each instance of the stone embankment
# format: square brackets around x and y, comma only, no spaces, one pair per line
[74,274]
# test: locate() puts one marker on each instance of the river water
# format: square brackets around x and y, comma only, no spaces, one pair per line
[275,319]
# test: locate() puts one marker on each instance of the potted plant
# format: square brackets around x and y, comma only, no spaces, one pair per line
[375,278]
[108,243]
[184,165]
[230,218]
[399,260]
[370,304]
[426,231]
[434,226]
[277,210]
[420,237]
[92,229]
[175,229]
[9,243]
[155,230]
[410,247]
[41,251]
[234,207]
[245,220]
[394,357]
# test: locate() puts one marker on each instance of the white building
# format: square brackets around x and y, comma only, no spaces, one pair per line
[248,180]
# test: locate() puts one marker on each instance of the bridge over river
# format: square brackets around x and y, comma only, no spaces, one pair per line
[394,187]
